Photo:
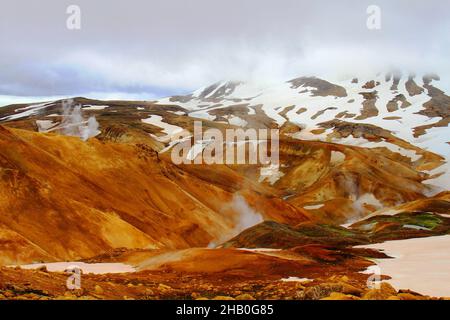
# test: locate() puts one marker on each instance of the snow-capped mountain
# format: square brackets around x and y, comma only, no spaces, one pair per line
[407,114]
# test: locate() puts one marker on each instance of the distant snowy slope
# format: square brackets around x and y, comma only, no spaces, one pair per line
[410,108]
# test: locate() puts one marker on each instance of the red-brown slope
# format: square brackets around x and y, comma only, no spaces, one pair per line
[74,199]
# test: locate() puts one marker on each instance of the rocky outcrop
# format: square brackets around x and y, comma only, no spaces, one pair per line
[321,87]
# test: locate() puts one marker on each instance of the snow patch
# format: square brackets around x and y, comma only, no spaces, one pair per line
[296,279]
[314,207]
[337,157]
[271,173]
[94,268]
[167,128]
[27,111]
[236,121]
[44,125]
[260,249]
[441,181]
[419,264]
[93,107]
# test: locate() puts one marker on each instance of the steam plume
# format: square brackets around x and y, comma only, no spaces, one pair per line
[246,218]
[74,124]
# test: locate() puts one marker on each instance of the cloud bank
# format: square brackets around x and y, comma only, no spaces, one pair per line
[148,49]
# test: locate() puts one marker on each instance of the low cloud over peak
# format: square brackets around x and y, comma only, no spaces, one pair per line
[171,47]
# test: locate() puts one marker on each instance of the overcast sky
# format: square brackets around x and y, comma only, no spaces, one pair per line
[148,49]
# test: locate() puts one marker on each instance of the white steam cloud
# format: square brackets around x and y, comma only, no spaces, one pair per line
[366,199]
[74,124]
[246,218]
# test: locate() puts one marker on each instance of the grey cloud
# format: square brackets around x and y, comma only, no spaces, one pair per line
[169,46]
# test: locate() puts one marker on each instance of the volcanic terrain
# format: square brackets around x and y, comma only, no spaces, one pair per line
[361,162]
